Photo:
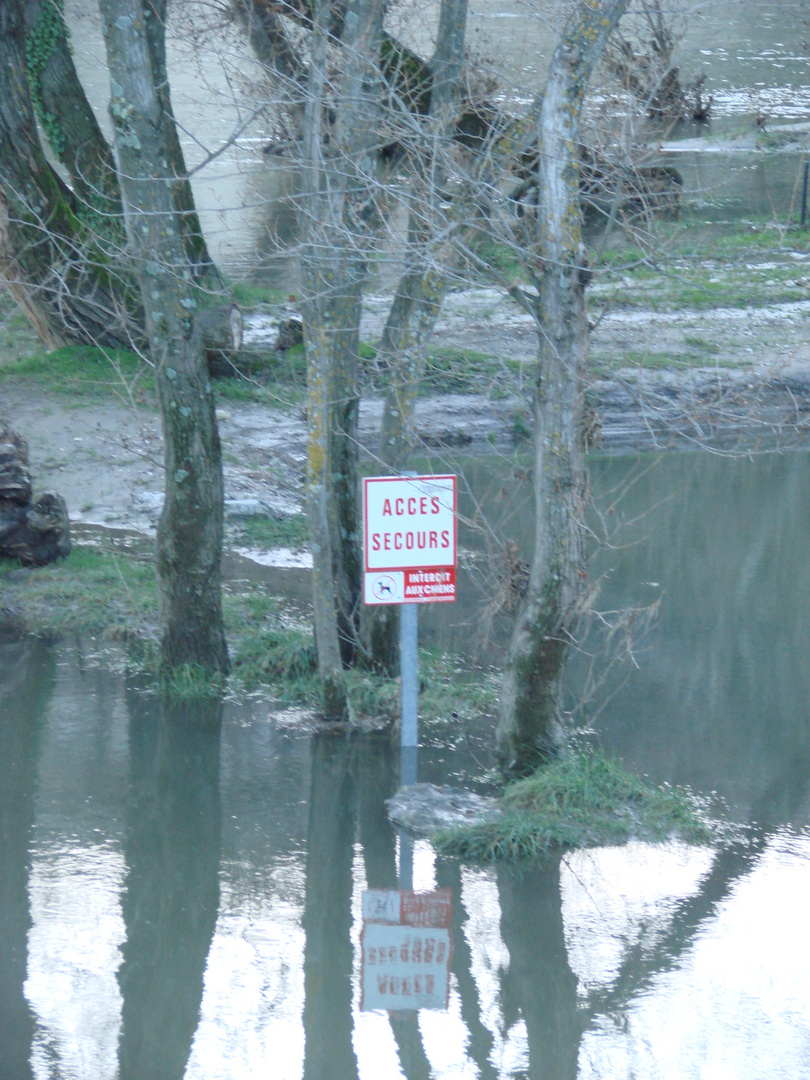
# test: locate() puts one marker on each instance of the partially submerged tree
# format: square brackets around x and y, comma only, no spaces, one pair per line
[191,522]
[462,184]
[337,211]
[530,726]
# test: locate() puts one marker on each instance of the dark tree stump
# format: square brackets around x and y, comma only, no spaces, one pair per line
[35,533]
[220,330]
[290,333]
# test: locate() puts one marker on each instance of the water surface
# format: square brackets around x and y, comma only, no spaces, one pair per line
[180,890]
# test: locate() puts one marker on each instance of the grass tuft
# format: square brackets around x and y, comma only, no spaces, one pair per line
[583,799]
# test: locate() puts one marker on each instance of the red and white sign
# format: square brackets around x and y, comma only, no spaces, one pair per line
[409,539]
[406,948]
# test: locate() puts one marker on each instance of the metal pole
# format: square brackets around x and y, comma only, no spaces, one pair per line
[409,726]
[804,194]
[408,660]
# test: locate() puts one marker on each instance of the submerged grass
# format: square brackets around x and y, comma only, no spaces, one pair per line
[584,799]
[94,590]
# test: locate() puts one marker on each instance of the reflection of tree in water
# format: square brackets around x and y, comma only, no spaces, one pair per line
[328,911]
[541,981]
[27,676]
[351,778]
[539,978]
[172,893]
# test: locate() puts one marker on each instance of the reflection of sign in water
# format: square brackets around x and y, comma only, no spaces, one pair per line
[406,949]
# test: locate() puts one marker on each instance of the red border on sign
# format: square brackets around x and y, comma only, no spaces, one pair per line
[367,480]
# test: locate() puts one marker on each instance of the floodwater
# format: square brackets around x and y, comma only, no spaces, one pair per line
[181,891]
[752,52]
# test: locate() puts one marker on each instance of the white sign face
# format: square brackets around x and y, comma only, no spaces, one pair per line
[409,539]
[405,967]
[406,944]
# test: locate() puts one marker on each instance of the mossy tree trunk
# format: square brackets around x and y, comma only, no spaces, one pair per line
[64,112]
[49,261]
[189,544]
[338,222]
[531,726]
[63,252]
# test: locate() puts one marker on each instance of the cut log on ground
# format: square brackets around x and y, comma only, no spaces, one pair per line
[15,477]
[38,532]
[220,330]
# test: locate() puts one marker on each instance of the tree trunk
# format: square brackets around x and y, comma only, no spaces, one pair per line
[531,726]
[49,260]
[418,298]
[201,264]
[189,546]
[271,44]
[337,220]
[67,119]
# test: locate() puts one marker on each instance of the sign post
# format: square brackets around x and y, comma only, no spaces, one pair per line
[409,558]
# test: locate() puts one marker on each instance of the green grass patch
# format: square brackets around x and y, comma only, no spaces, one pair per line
[254,294]
[711,348]
[93,590]
[281,659]
[463,371]
[584,799]
[267,533]
[86,373]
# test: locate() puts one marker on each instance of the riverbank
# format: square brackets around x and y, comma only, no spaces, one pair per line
[709,352]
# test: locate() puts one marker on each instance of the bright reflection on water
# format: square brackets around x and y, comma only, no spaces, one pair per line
[180,891]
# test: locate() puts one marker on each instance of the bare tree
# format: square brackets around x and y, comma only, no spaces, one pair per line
[337,212]
[189,545]
[530,726]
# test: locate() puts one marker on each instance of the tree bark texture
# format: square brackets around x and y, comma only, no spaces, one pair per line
[271,44]
[66,117]
[50,260]
[419,295]
[531,726]
[338,220]
[189,544]
[200,261]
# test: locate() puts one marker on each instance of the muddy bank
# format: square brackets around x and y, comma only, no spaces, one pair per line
[106,457]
